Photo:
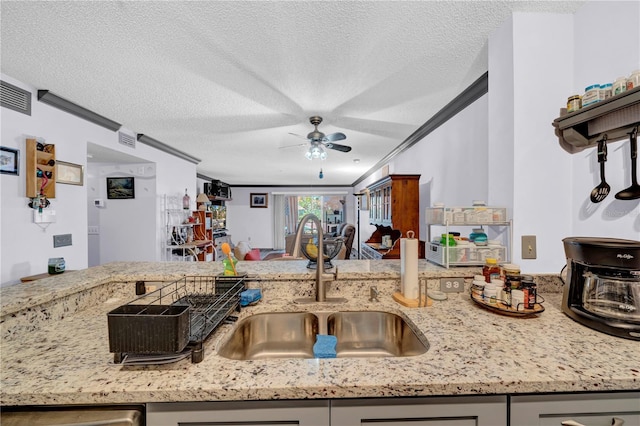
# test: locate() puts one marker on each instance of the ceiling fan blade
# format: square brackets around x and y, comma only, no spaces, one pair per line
[297,135]
[335,137]
[293,146]
[338,147]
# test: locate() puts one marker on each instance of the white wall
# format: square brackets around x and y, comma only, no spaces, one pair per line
[451,162]
[24,247]
[532,78]
[127,228]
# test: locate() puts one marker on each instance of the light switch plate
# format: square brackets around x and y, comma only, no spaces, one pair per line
[529,250]
[61,240]
[452,285]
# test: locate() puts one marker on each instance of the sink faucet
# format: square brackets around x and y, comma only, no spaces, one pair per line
[321,277]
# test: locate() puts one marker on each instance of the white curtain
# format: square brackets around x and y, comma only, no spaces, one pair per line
[291,214]
[278,222]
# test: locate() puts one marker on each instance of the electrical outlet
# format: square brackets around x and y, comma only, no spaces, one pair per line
[452,285]
[529,250]
[61,240]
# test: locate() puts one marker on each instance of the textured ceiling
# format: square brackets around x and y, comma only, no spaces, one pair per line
[228,82]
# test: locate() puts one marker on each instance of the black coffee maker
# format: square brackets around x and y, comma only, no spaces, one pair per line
[603,284]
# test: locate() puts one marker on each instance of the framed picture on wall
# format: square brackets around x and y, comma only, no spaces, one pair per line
[9,161]
[259,199]
[120,188]
[69,173]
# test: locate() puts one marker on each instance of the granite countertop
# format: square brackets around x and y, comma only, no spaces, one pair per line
[59,353]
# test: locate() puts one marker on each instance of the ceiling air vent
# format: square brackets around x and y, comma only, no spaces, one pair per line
[15,98]
[127,140]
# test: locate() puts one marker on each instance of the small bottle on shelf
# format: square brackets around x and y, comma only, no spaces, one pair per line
[186,200]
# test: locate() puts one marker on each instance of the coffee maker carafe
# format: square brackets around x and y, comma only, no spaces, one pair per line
[603,284]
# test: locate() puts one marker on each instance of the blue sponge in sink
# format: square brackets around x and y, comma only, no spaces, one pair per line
[325,346]
[250,296]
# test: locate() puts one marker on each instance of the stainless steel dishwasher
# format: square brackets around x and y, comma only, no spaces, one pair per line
[73,416]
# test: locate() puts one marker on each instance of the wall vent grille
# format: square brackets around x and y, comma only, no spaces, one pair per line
[127,140]
[15,98]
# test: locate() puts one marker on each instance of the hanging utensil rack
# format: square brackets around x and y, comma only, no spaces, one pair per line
[172,322]
[615,117]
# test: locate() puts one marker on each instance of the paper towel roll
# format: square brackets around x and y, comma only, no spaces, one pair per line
[409,266]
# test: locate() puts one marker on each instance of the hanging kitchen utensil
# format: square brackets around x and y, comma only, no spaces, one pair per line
[601,191]
[632,192]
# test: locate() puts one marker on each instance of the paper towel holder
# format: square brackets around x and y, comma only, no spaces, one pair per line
[422,301]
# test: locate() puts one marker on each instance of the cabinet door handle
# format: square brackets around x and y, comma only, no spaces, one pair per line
[615,421]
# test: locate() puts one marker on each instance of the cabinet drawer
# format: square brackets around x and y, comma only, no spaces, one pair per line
[302,413]
[588,409]
[446,411]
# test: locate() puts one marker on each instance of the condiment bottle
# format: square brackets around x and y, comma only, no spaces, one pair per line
[491,270]
[490,293]
[574,103]
[530,290]
[634,80]
[619,85]
[499,288]
[511,275]
[591,95]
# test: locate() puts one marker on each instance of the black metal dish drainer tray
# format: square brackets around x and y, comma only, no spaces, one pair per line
[171,323]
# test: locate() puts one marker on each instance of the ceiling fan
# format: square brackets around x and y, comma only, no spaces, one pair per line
[319,141]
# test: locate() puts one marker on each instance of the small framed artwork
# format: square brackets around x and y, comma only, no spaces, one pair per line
[259,199]
[120,188]
[69,173]
[9,161]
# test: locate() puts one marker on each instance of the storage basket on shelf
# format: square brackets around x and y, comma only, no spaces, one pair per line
[467,253]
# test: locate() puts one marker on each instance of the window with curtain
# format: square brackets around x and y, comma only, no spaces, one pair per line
[328,208]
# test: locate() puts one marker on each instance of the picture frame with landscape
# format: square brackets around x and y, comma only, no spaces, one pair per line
[259,200]
[69,173]
[9,161]
[120,188]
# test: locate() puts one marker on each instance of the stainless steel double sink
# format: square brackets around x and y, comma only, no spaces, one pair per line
[293,334]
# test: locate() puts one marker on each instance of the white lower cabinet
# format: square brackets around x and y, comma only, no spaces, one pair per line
[253,413]
[445,411]
[589,409]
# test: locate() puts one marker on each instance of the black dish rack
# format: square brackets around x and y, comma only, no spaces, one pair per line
[172,322]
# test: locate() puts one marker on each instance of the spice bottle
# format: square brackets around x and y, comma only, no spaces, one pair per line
[511,275]
[491,270]
[634,80]
[530,290]
[619,85]
[574,103]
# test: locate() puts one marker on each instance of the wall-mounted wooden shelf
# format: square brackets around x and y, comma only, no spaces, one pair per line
[45,161]
[614,117]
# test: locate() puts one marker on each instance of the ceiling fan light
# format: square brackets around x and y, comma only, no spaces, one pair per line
[323,155]
[308,154]
[316,151]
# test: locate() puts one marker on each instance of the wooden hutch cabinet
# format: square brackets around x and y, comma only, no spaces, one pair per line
[394,207]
